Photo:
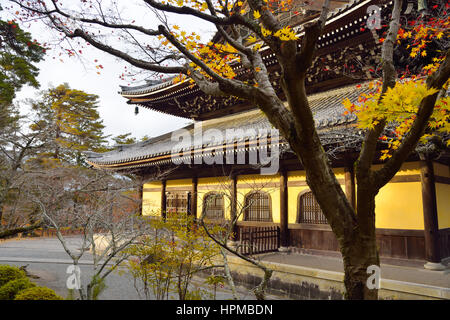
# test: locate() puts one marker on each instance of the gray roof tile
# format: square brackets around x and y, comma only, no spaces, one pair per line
[327,109]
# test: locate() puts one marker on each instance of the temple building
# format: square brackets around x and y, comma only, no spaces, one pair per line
[412,210]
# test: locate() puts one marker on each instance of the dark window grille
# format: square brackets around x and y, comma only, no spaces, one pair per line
[257,207]
[177,202]
[309,210]
[213,206]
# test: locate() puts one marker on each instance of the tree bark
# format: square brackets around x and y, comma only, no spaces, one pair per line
[358,256]
[359,249]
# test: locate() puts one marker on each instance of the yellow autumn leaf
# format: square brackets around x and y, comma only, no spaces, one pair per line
[257,46]
[256,14]
[265,32]
[347,103]
[251,39]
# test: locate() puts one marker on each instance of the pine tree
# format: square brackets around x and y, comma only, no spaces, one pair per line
[18,54]
[125,138]
[72,118]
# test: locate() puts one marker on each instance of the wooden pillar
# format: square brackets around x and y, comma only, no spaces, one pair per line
[349,176]
[430,218]
[284,230]
[234,205]
[163,199]
[141,196]
[194,197]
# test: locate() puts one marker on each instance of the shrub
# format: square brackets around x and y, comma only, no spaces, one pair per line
[8,273]
[38,293]
[12,288]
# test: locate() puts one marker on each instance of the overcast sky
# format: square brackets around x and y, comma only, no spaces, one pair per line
[117,115]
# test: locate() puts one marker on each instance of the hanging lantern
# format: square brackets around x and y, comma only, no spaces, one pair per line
[136,110]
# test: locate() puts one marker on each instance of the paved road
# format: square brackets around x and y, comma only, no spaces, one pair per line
[47,260]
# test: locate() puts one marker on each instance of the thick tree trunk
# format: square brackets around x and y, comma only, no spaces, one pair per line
[355,232]
[358,256]
[359,249]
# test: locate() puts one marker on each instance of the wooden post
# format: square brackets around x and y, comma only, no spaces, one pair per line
[194,197]
[141,197]
[234,205]
[163,199]
[284,230]
[430,218]
[349,176]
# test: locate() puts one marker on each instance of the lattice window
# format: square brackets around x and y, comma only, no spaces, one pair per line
[309,210]
[257,207]
[213,206]
[177,202]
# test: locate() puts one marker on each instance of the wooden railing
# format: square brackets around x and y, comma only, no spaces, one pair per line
[254,240]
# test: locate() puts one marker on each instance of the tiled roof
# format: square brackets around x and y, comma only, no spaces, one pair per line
[327,109]
[150,86]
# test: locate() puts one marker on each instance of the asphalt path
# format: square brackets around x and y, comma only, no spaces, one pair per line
[47,262]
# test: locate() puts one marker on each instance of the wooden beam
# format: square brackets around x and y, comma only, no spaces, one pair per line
[284,229]
[163,199]
[194,197]
[430,218]
[234,205]
[349,176]
[141,197]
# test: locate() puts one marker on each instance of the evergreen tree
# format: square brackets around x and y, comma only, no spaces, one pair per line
[125,138]
[74,124]
[18,54]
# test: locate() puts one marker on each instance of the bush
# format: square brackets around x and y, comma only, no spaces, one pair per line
[37,293]
[12,288]
[8,273]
